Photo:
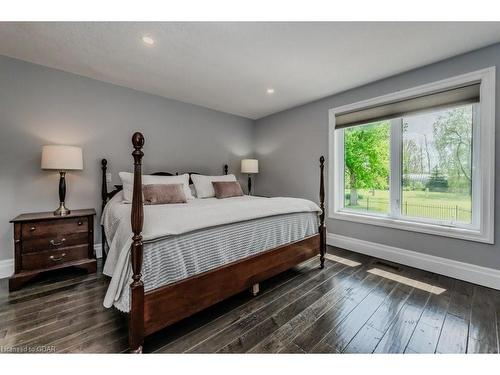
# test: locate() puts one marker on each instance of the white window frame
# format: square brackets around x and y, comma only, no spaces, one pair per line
[483,169]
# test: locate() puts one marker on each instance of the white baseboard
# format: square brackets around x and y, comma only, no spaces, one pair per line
[98,250]
[7,265]
[485,276]
[6,268]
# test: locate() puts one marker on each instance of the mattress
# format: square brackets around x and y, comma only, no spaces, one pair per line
[168,259]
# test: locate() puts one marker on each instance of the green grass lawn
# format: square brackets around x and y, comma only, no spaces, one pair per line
[417,203]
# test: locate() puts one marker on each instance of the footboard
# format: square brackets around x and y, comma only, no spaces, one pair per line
[163,306]
[169,304]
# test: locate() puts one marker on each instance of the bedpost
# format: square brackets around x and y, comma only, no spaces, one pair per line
[226,169]
[104,197]
[136,323]
[322,228]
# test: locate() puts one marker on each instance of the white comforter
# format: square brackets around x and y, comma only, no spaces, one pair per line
[173,219]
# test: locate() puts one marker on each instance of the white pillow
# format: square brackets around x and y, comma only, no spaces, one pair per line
[128,183]
[203,184]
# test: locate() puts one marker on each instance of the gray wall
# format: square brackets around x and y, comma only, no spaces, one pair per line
[289,143]
[41,106]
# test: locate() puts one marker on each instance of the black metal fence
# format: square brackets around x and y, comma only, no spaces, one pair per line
[430,211]
[439,212]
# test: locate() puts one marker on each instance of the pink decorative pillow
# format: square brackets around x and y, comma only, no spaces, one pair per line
[163,193]
[227,189]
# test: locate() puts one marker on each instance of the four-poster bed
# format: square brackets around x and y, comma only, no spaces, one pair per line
[154,309]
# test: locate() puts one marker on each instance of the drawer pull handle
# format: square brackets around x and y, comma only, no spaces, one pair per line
[57,259]
[80,223]
[54,243]
[32,229]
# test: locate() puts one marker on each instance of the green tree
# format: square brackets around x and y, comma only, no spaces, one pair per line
[437,181]
[366,158]
[412,153]
[453,140]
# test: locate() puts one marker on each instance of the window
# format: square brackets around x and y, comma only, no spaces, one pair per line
[367,168]
[420,160]
[436,162]
[433,173]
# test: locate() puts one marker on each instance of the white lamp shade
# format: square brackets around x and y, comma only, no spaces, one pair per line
[62,158]
[249,166]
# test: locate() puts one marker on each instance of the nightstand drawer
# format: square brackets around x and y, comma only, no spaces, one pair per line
[53,228]
[54,242]
[52,258]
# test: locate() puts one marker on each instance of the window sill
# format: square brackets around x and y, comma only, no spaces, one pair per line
[439,230]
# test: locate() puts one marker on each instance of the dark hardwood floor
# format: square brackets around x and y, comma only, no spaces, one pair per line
[357,304]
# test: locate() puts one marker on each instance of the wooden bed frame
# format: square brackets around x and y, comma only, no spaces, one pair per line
[161,307]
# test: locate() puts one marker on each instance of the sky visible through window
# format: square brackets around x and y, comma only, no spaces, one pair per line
[420,130]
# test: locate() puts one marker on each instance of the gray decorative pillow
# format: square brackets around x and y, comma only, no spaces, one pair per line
[227,189]
[163,193]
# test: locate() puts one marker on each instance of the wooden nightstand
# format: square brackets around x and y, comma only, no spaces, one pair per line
[45,242]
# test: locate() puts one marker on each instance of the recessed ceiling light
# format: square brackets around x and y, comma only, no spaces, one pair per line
[270,91]
[148,40]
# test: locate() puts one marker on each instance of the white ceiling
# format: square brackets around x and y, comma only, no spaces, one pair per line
[229,66]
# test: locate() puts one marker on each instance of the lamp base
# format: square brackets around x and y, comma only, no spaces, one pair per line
[62,210]
[249,184]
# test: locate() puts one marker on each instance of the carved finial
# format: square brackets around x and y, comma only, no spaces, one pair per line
[226,168]
[322,160]
[138,140]
[104,163]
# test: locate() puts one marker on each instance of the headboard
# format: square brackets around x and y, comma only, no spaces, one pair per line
[106,196]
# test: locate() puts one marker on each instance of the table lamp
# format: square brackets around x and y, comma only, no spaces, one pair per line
[249,166]
[62,158]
